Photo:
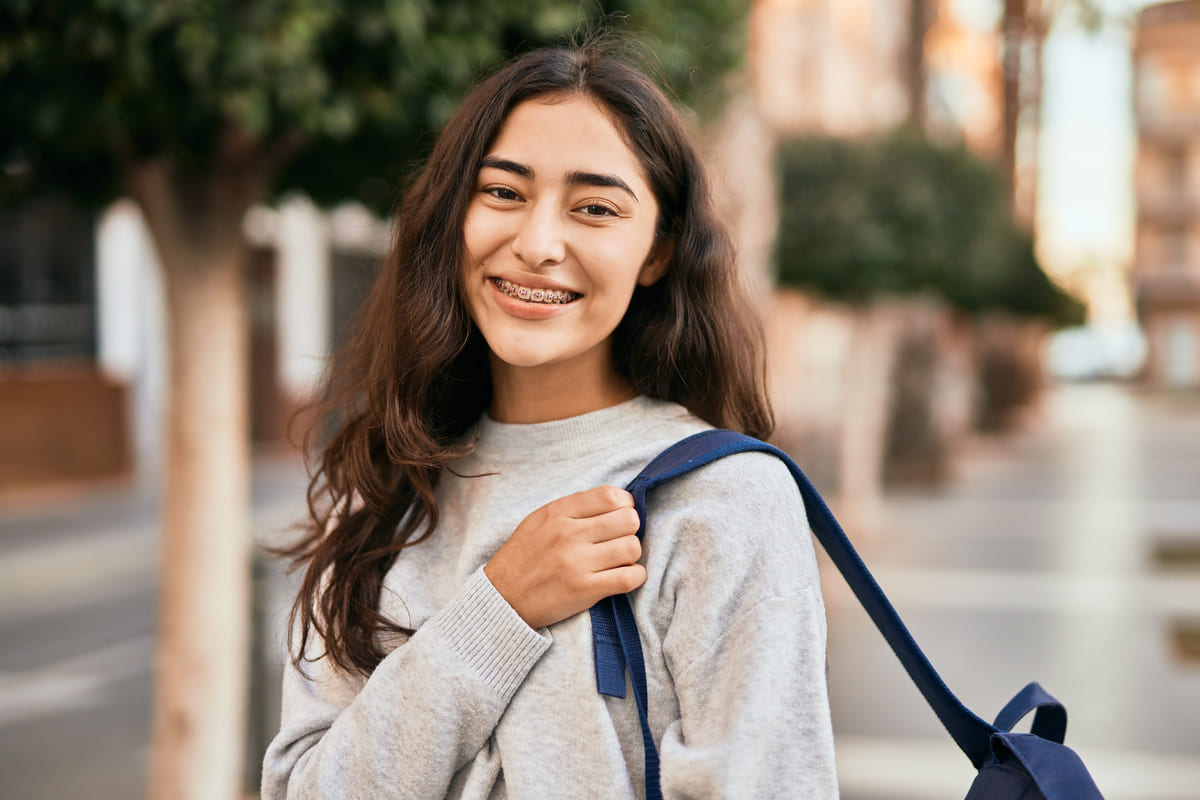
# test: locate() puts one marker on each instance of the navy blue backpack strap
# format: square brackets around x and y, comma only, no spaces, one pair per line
[616,637]
[1011,765]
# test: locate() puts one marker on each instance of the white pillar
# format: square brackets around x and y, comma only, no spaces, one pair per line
[303,287]
[131,326]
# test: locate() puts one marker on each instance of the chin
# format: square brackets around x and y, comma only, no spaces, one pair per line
[523,358]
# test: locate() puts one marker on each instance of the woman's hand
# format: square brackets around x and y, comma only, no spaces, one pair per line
[569,554]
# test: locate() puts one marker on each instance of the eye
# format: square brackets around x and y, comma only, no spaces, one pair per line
[597,210]
[501,193]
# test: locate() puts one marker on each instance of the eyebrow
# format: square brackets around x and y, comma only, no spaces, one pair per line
[508,166]
[576,178]
[596,179]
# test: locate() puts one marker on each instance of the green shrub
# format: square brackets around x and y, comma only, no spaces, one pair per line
[902,215]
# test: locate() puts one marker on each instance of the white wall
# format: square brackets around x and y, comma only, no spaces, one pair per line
[303,284]
[131,325]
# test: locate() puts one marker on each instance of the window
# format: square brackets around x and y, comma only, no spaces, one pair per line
[47,284]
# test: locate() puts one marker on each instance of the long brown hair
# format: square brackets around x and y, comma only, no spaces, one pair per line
[414,377]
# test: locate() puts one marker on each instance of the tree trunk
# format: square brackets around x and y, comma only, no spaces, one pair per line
[915,73]
[202,657]
[1029,121]
[1013,34]
[1024,36]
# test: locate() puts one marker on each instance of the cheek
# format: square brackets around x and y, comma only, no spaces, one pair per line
[484,232]
[475,237]
[470,243]
[622,262]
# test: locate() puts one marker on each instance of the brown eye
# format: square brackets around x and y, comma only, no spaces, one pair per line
[597,210]
[502,193]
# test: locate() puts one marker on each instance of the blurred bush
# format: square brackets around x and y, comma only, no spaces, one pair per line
[899,215]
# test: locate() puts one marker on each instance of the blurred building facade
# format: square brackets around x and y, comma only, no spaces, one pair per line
[852,67]
[61,418]
[1167,261]
[829,67]
[83,331]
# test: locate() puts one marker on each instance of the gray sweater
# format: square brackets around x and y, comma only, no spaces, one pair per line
[475,704]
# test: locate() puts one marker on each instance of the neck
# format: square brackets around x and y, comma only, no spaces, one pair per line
[526,395]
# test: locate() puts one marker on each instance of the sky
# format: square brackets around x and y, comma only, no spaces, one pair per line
[1086,158]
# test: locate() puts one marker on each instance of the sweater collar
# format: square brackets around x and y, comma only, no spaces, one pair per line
[618,426]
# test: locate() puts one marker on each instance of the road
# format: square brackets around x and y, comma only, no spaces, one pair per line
[1039,561]
[78,594]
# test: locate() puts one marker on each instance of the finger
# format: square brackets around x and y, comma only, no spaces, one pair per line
[620,580]
[593,502]
[610,525]
[620,552]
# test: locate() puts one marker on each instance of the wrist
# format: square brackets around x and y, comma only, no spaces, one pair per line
[496,575]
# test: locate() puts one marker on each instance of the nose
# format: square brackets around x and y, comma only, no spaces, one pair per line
[539,241]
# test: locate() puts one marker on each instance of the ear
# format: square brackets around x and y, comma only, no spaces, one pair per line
[656,263]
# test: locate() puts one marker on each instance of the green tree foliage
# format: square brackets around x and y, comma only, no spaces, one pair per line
[900,215]
[339,96]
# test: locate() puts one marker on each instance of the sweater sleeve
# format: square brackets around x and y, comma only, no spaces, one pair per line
[424,712]
[745,641]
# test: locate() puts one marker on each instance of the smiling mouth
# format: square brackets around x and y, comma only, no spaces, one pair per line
[543,296]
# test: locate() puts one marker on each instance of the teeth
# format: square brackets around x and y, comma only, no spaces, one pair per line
[548,296]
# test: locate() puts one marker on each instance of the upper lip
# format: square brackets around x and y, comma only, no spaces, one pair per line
[535,282]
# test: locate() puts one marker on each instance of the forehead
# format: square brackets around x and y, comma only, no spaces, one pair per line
[560,134]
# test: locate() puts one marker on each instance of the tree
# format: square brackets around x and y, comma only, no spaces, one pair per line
[902,215]
[199,109]
[921,14]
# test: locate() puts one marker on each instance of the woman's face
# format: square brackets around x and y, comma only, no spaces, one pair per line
[558,234]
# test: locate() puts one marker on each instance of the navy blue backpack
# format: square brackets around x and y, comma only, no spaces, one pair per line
[1012,766]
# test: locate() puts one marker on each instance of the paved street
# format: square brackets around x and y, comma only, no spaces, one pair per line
[78,589]
[1038,562]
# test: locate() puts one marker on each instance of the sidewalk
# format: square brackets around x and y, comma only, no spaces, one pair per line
[1039,562]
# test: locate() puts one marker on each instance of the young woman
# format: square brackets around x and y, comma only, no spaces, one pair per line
[558,306]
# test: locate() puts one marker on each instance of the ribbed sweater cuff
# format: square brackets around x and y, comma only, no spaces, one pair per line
[489,636]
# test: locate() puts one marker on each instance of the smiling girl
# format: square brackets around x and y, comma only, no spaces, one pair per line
[558,306]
